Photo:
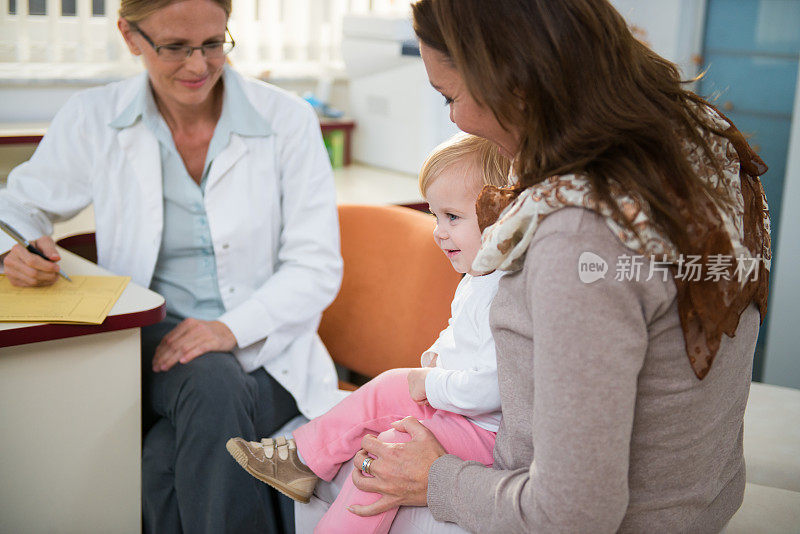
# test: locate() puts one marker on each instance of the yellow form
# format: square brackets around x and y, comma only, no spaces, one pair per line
[85,300]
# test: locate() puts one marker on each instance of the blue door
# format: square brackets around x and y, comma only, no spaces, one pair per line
[751,50]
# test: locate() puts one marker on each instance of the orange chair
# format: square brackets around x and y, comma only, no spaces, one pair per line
[396,292]
[395,295]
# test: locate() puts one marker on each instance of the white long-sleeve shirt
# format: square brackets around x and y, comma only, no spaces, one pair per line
[464,380]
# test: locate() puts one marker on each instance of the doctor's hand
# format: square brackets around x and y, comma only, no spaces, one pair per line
[27,270]
[399,470]
[191,338]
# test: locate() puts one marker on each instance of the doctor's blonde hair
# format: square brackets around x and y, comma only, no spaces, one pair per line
[481,154]
[137,10]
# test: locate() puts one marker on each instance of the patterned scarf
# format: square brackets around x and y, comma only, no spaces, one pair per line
[733,245]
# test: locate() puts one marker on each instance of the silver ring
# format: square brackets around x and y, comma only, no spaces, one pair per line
[365,465]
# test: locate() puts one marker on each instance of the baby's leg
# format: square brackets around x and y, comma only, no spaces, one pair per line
[333,438]
[338,519]
[456,434]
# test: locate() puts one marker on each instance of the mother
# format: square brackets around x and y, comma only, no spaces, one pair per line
[215,191]
[614,418]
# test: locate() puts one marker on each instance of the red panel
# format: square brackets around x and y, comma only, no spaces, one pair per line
[48,332]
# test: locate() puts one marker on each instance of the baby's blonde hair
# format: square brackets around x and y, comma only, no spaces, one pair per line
[492,165]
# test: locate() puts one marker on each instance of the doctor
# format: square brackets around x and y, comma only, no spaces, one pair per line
[215,191]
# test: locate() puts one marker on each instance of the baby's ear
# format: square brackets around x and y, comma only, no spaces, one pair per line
[491,202]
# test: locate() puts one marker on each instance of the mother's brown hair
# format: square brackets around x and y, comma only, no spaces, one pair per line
[586,95]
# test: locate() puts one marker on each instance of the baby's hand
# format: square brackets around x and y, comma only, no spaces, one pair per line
[416,384]
[429,359]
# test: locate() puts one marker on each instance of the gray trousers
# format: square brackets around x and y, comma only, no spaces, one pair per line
[190,483]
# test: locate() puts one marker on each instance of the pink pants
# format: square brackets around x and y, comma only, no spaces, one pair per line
[332,439]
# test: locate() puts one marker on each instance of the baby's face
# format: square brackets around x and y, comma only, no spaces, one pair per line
[451,198]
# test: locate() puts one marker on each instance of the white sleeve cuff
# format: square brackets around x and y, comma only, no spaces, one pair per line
[436,388]
[246,321]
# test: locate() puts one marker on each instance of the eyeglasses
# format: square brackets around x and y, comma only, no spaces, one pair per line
[176,52]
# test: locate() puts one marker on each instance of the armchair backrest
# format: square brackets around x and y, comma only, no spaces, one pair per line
[396,291]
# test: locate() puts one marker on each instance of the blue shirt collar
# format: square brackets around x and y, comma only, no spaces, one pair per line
[238,114]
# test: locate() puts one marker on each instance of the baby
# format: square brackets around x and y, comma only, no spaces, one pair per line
[455,394]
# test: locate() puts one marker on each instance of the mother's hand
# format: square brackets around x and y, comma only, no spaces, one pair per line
[191,338]
[399,470]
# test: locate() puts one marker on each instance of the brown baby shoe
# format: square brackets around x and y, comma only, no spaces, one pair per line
[275,462]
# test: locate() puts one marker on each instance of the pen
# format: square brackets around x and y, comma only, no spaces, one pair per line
[16,236]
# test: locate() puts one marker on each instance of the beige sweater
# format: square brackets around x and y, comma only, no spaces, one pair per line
[605,426]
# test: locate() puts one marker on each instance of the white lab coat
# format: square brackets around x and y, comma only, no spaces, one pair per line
[271,210]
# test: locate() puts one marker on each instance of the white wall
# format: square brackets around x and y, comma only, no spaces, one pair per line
[15,100]
[49,95]
[673,28]
[782,362]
